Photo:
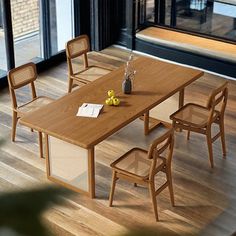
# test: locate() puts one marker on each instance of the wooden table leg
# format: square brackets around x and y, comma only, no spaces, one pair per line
[91,169]
[181,98]
[146,123]
[155,122]
[151,123]
[70,165]
[40,144]
[181,101]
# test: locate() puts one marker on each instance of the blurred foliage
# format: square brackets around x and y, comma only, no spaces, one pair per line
[20,212]
[155,232]
[2,141]
[147,231]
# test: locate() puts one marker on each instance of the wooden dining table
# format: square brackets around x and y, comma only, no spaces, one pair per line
[71,140]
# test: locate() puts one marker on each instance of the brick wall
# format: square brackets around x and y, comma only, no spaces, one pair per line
[25,17]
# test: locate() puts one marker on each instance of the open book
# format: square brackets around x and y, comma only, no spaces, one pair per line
[89,110]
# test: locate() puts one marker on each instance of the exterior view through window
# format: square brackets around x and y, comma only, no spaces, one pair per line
[210,17]
[36,37]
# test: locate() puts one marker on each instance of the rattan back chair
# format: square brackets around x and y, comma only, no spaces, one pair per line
[76,48]
[197,118]
[140,166]
[18,78]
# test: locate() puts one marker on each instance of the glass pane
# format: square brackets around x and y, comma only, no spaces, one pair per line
[224,12]
[26,30]
[158,14]
[150,10]
[209,17]
[61,24]
[3,61]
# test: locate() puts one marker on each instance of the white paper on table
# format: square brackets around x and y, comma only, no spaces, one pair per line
[89,110]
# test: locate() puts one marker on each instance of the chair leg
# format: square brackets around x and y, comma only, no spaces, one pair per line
[188,135]
[170,186]
[222,132]
[113,184]
[70,85]
[154,200]
[40,145]
[14,123]
[209,144]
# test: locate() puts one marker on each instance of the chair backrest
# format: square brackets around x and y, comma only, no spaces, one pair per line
[75,48]
[218,99]
[21,76]
[161,145]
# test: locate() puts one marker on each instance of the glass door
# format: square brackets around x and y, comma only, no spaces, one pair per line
[215,18]
[3,59]
[36,31]
[26,31]
[61,24]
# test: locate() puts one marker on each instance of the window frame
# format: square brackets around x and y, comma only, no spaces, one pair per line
[49,59]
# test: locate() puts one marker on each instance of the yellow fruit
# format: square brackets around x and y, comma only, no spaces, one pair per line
[111,93]
[109,101]
[115,101]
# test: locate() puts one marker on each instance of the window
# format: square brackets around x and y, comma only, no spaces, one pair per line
[36,30]
[27,28]
[213,18]
[3,61]
[61,24]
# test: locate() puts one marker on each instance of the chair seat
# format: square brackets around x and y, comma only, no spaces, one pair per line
[91,73]
[193,114]
[135,163]
[35,104]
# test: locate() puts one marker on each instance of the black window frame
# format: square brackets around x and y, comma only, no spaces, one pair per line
[80,16]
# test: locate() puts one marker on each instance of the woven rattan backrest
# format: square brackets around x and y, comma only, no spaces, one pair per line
[77,47]
[19,77]
[22,75]
[161,145]
[218,98]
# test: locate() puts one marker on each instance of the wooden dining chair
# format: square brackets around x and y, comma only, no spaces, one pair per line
[140,166]
[76,48]
[197,118]
[17,78]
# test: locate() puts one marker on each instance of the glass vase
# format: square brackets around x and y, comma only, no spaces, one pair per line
[127,86]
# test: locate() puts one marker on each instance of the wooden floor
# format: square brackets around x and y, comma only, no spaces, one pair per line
[205,197]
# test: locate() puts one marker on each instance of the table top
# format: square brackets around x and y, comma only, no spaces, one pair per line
[154,82]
